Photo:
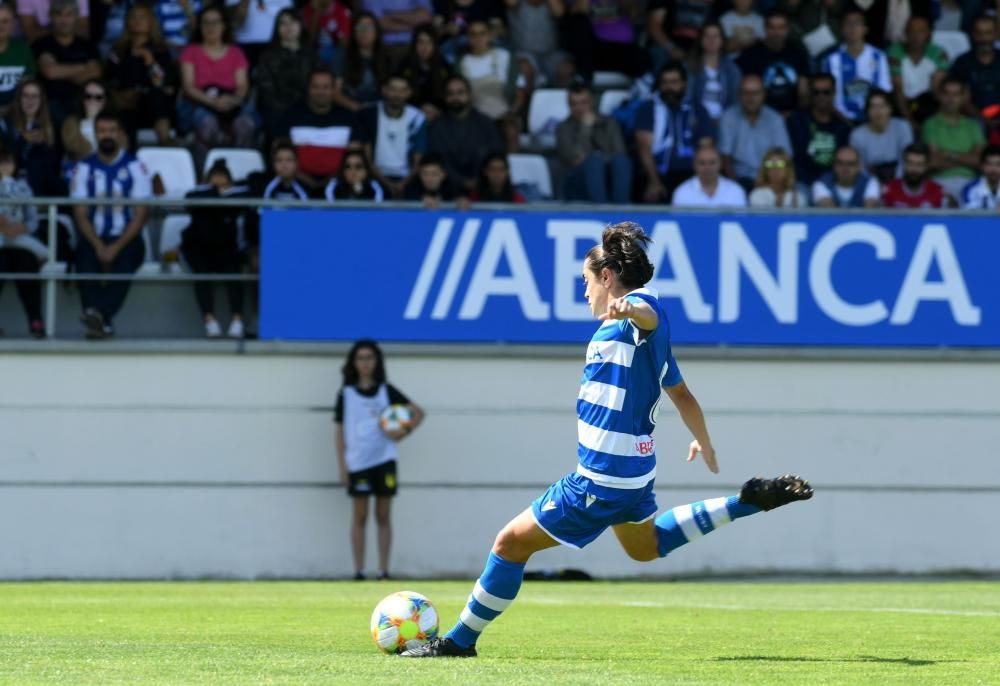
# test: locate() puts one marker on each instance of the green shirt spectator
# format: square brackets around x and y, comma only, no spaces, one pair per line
[956,141]
[916,67]
[916,74]
[16,60]
[958,136]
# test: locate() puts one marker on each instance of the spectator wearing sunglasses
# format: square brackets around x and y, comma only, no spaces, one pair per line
[816,131]
[78,128]
[847,185]
[775,185]
[355,180]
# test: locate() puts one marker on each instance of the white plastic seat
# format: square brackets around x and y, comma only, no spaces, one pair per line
[549,107]
[241,161]
[170,236]
[175,167]
[611,79]
[954,43]
[610,100]
[145,137]
[531,169]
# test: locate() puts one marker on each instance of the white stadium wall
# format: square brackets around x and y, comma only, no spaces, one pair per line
[178,466]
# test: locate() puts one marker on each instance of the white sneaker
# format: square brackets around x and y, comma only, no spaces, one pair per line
[235,329]
[212,328]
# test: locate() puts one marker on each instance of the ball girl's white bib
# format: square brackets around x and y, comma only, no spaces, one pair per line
[367,446]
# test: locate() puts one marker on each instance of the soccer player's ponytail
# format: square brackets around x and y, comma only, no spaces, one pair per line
[623,251]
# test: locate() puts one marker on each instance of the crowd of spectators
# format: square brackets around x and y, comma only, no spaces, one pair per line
[769,103]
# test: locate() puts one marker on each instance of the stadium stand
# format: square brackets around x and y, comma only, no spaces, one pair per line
[282,78]
[173,166]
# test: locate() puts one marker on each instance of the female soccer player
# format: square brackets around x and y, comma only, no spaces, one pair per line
[365,454]
[628,361]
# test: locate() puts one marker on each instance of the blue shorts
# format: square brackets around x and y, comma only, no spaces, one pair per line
[576,510]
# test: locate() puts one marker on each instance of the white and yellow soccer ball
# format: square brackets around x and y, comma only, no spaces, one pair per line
[395,417]
[402,621]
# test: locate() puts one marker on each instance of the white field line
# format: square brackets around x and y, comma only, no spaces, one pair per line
[757,608]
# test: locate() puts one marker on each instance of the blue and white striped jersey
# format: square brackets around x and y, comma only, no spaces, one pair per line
[855,77]
[977,195]
[620,396]
[126,177]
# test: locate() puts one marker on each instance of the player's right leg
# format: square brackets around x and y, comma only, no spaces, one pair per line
[495,589]
[650,539]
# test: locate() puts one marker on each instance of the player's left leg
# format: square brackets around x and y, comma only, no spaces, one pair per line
[495,589]
[383,508]
[649,539]
[359,509]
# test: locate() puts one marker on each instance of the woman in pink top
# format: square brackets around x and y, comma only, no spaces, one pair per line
[216,86]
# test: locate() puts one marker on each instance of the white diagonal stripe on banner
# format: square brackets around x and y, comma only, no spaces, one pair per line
[685,518]
[491,601]
[473,621]
[717,511]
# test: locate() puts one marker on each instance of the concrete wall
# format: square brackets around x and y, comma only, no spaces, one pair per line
[169,465]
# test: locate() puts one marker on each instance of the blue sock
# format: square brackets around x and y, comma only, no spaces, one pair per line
[686,523]
[495,590]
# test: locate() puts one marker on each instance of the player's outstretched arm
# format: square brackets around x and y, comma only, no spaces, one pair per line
[694,419]
[641,314]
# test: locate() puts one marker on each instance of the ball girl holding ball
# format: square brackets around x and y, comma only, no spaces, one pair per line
[371,417]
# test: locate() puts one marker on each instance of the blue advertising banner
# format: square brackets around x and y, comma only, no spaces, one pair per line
[411,275]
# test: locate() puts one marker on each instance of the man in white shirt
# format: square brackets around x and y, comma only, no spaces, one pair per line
[984,193]
[708,188]
[394,135]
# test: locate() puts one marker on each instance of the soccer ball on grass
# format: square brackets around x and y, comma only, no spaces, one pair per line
[402,621]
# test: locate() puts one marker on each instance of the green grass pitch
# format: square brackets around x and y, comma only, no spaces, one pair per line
[556,633]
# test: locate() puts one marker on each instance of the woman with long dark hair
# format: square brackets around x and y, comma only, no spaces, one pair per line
[366,453]
[355,180]
[33,139]
[427,71]
[364,66]
[78,137]
[142,75]
[282,73]
[714,78]
[494,182]
[215,80]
